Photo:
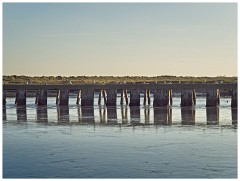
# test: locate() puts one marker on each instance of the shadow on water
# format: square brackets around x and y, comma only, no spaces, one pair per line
[234,116]
[135,115]
[42,114]
[212,115]
[188,115]
[162,115]
[86,114]
[111,115]
[4,113]
[63,114]
[21,113]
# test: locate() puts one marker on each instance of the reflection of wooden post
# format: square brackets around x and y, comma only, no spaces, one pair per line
[64,97]
[100,97]
[213,98]
[161,97]
[87,97]
[134,97]
[21,97]
[4,97]
[234,98]
[188,98]
[78,97]
[212,115]
[111,97]
[126,96]
[41,98]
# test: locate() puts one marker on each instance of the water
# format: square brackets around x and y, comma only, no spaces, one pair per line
[122,142]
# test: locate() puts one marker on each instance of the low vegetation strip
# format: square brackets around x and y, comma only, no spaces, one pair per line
[15,79]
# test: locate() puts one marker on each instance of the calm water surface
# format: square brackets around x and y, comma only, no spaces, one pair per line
[120,142]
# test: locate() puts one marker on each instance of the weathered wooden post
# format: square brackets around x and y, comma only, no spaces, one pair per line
[126,96]
[161,97]
[213,98]
[122,94]
[21,97]
[78,97]
[87,97]
[188,98]
[146,99]
[111,97]
[134,97]
[170,95]
[41,98]
[234,98]
[100,97]
[64,97]
[104,96]
[57,97]
[4,97]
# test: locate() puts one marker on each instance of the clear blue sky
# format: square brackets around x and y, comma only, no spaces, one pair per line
[120,39]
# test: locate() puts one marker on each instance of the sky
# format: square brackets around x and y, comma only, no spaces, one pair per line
[120,39]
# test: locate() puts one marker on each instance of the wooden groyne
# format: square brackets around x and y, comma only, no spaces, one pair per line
[162,93]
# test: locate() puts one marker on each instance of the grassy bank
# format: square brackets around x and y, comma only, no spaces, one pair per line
[14,79]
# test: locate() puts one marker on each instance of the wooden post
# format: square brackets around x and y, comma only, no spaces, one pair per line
[134,97]
[87,97]
[170,95]
[126,96]
[213,98]
[122,94]
[148,96]
[234,98]
[111,97]
[161,97]
[64,97]
[41,98]
[4,97]
[100,97]
[104,96]
[78,97]
[21,97]
[57,97]
[187,98]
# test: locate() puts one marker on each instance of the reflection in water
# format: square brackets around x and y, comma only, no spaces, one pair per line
[124,113]
[102,114]
[4,113]
[63,113]
[162,115]
[111,114]
[86,114]
[234,115]
[135,114]
[42,115]
[212,115]
[188,115]
[21,113]
[147,115]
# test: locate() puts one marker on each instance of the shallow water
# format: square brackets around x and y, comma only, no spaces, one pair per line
[121,142]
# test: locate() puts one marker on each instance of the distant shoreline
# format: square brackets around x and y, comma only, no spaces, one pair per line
[15,79]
